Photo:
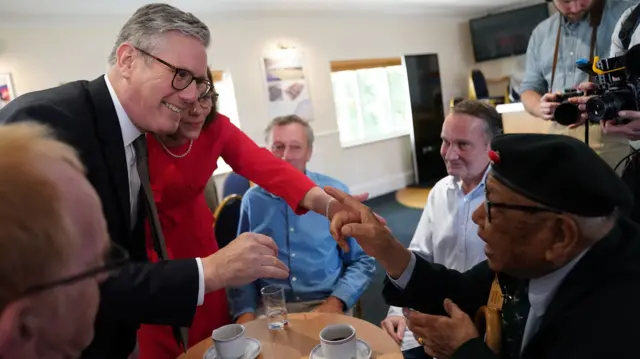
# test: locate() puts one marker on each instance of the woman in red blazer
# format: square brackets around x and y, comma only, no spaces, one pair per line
[179,168]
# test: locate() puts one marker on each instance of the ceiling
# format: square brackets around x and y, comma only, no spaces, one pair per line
[126,7]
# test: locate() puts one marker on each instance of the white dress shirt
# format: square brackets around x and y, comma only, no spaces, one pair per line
[446,234]
[129,134]
[541,292]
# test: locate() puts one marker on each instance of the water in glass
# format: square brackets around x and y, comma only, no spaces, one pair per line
[277,318]
[274,306]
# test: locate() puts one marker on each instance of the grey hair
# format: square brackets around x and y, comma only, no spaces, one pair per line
[594,228]
[146,26]
[286,120]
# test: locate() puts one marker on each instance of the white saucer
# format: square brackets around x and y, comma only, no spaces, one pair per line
[363,351]
[252,351]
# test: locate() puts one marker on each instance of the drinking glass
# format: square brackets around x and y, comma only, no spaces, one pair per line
[274,306]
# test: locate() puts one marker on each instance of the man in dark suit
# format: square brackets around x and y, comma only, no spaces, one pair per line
[561,260]
[157,70]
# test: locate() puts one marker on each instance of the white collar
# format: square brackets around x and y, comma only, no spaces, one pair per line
[129,131]
[543,289]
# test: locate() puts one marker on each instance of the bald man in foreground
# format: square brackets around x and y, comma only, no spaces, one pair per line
[54,247]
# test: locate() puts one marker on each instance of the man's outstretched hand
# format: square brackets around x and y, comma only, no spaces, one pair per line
[336,207]
[375,238]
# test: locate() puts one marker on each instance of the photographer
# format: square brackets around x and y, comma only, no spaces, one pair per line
[580,29]
[630,131]
[620,43]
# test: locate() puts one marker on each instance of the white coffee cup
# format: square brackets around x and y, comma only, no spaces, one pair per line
[230,341]
[338,341]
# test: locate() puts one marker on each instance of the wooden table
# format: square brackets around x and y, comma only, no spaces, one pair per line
[301,336]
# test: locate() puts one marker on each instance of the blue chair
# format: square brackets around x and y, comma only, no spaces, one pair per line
[235,184]
[479,89]
[227,219]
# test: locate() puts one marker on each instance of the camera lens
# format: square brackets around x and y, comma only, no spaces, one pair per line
[605,107]
[566,114]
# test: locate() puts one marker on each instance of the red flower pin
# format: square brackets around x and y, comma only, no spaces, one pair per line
[494,157]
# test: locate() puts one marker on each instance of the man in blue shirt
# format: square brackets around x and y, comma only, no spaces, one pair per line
[322,276]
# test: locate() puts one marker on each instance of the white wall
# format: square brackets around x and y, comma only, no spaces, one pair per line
[44,52]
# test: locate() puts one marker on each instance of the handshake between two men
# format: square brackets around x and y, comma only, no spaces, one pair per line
[440,335]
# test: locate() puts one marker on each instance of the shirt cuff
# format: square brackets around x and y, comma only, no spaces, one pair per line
[404,279]
[200,282]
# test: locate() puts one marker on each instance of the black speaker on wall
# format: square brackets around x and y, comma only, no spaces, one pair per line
[425,91]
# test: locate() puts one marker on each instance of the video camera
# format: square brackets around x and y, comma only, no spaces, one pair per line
[618,80]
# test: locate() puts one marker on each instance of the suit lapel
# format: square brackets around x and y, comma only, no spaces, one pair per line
[585,276]
[110,136]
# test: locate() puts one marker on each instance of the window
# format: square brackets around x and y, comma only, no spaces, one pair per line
[226,106]
[372,100]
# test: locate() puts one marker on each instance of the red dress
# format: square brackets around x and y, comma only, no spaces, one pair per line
[187,222]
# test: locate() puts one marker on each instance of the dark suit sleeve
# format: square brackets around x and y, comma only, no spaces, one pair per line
[474,349]
[431,284]
[602,326]
[158,293]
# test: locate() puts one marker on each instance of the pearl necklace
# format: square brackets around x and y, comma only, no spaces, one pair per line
[173,154]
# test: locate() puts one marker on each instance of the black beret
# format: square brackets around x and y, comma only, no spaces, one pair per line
[559,172]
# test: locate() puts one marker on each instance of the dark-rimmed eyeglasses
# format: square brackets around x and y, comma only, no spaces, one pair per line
[204,101]
[182,78]
[115,259]
[516,207]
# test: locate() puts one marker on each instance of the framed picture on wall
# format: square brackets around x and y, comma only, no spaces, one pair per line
[6,89]
[286,84]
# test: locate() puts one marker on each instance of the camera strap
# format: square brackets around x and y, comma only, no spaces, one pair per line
[595,17]
[555,54]
[629,27]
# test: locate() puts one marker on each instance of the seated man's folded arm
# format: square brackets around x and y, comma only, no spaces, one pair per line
[243,300]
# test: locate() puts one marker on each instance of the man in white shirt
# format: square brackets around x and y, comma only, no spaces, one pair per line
[617,46]
[446,234]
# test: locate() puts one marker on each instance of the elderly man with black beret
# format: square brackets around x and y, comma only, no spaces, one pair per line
[562,260]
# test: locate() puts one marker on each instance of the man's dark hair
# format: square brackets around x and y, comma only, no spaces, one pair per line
[214,99]
[483,111]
